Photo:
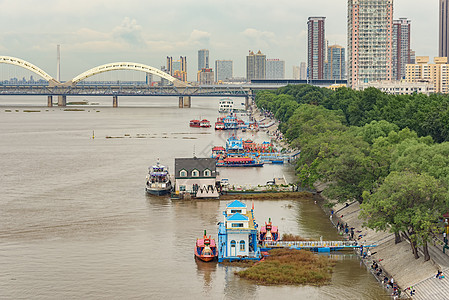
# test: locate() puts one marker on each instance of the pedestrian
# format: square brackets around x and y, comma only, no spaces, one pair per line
[352,233]
[392,281]
[439,274]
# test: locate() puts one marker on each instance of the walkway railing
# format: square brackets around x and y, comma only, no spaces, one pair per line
[318,244]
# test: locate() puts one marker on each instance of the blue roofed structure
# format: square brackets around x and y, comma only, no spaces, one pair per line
[235,204]
[237,217]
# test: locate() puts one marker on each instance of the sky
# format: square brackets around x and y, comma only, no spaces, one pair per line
[96,32]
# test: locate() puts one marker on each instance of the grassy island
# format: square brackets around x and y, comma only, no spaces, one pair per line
[291,267]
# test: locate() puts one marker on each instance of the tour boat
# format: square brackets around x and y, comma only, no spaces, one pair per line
[205,248]
[158,180]
[219,125]
[195,123]
[204,123]
[225,105]
[239,162]
[269,233]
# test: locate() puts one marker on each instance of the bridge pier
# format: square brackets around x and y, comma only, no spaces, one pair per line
[62,100]
[185,101]
[50,101]
[114,101]
[188,101]
[247,103]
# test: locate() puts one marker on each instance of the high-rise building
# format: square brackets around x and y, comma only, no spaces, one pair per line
[412,57]
[203,59]
[401,47]
[316,52]
[223,70]
[303,71]
[444,29]
[177,68]
[205,76]
[255,66]
[296,72]
[336,62]
[437,73]
[370,33]
[275,69]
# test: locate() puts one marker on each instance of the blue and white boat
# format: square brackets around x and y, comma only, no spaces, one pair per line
[158,180]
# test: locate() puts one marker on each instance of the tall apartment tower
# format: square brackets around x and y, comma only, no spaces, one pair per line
[203,59]
[275,69]
[303,71]
[444,28]
[316,52]
[177,68]
[223,70]
[256,66]
[336,62]
[370,35]
[401,47]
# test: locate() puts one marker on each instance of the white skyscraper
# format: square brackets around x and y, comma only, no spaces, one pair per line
[223,70]
[275,69]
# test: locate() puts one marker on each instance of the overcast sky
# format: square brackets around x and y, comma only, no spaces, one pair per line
[95,32]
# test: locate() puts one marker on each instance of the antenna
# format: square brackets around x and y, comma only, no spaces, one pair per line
[58,63]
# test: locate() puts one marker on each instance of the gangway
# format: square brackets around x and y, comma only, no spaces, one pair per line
[317,246]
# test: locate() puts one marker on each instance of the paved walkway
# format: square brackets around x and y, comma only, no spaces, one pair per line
[432,288]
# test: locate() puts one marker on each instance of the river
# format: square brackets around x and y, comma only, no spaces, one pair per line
[75,222]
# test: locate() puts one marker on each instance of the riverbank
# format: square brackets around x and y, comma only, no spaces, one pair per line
[395,260]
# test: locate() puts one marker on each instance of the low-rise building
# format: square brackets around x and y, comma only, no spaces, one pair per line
[436,74]
[196,177]
[206,76]
[398,87]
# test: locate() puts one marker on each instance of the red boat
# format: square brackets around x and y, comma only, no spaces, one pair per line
[219,125]
[205,248]
[195,123]
[269,233]
[205,123]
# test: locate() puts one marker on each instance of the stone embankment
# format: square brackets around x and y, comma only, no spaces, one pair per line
[397,260]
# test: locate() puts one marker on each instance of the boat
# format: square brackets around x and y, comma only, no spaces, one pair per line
[269,233]
[225,105]
[158,180]
[205,248]
[195,123]
[204,123]
[219,125]
[239,162]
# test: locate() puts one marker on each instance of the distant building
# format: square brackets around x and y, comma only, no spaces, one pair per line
[412,57]
[164,81]
[370,33]
[223,70]
[437,73]
[296,72]
[303,71]
[316,47]
[196,176]
[203,59]
[336,66]
[444,29]
[255,66]
[401,47]
[205,76]
[177,68]
[398,87]
[275,69]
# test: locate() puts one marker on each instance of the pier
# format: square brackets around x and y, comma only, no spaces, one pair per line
[317,246]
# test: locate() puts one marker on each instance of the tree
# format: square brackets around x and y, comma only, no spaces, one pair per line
[407,202]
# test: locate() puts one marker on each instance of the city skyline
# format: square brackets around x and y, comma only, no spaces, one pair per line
[98,32]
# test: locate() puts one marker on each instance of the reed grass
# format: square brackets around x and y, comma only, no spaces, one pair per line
[290,267]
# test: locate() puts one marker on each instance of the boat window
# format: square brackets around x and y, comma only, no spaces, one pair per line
[195,173]
[233,211]
[207,173]
[183,173]
[237,224]
[242,245]
[182,188]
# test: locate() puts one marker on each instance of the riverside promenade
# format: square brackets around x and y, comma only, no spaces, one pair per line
[397,260]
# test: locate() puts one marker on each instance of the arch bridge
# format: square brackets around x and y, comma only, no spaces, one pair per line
[72,87]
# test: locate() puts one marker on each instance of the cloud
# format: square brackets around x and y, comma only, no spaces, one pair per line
[201,37]
[259,38]
[130,32]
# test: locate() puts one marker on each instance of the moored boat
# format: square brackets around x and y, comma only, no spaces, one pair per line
[158,180]
[219,125]
[225,105]
[204,123]
[269,233]
[239,162]
[205,248]
[195,123]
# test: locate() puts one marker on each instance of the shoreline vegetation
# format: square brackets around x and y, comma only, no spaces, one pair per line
[388,154]
[290,267]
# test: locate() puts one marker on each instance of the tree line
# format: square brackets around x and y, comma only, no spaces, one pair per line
[390,153]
